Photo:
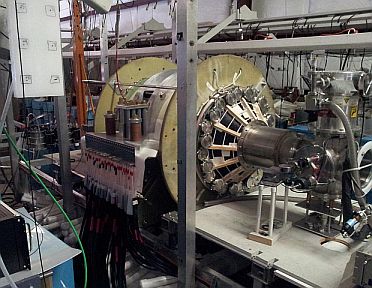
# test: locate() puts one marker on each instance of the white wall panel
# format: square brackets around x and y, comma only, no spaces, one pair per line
[211,11]
[275,8]
[335,5]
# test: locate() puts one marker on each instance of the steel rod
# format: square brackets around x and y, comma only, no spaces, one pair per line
[286,193]
[187,60]
[272,211]
[259,207]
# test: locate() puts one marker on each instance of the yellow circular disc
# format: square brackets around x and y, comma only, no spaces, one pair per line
[130,73]
[218,70]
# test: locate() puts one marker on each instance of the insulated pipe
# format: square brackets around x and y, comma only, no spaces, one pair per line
[337,110]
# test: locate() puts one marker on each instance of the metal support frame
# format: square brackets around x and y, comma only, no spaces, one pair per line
[186,135]
[272,210]
[64,153]
[244,13]
[336,42]
[150,26]
[78,56]
[259,208]
[273,233]
[174,32]
[105,71]
[8,118]
[345,41]
[7,105]
[14,158]
[285,213]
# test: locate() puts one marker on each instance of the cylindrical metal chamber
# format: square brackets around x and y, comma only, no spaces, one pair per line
[222,81]
[261,146]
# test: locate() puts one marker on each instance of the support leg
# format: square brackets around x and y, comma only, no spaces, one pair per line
[272,210]
[259,208]
[286,193]
[64,153]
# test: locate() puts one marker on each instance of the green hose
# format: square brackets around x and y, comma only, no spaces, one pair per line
[57,204]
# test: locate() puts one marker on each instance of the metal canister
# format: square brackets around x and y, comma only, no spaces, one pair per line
[110,123]
[135,128]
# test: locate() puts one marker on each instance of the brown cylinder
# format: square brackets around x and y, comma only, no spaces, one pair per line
[110,123]
[135,129]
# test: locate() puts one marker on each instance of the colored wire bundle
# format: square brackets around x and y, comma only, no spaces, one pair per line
[108,233]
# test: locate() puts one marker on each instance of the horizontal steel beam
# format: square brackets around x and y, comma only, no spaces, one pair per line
[128,52]
[335,42]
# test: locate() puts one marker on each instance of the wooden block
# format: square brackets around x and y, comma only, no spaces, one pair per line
[254,236]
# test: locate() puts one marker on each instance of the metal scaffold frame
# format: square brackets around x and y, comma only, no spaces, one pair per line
[186,134]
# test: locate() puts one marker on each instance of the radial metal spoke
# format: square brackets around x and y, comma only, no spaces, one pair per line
[223,128]
[248,109]
[226,163]
[224,147]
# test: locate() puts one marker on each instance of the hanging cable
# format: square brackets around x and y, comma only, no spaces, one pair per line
[34,174]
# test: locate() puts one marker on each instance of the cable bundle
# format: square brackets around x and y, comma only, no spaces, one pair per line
[108,233]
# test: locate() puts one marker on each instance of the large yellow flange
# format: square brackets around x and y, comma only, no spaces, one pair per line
[219,70]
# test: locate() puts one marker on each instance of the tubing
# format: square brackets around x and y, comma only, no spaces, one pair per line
[337,110]
[6,273]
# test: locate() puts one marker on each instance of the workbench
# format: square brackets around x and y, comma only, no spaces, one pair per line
[297,256]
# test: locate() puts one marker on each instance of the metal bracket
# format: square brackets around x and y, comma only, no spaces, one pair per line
[149,26]
[243,14]
[262,270]
[8,102]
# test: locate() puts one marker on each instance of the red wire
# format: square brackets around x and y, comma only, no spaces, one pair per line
[355,31]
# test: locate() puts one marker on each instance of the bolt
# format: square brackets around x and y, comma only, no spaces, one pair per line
[192,43]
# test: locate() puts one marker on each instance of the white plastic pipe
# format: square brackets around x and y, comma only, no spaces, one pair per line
[158,282]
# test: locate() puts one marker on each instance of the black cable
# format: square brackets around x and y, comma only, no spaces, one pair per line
[341,58]
[362,60]
[283,71]
[326,61]
[4,35]
[345,60]
[293,70]
[268,61]
[29,176]
[300,71]
[363,117]
[289,59]
[5,68]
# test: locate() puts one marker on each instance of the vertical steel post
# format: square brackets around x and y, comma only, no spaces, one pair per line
[286,193]
[64,153]
[186,135]
[174,32]
[272,211]
[259,208]
[14,158]
[105,72]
